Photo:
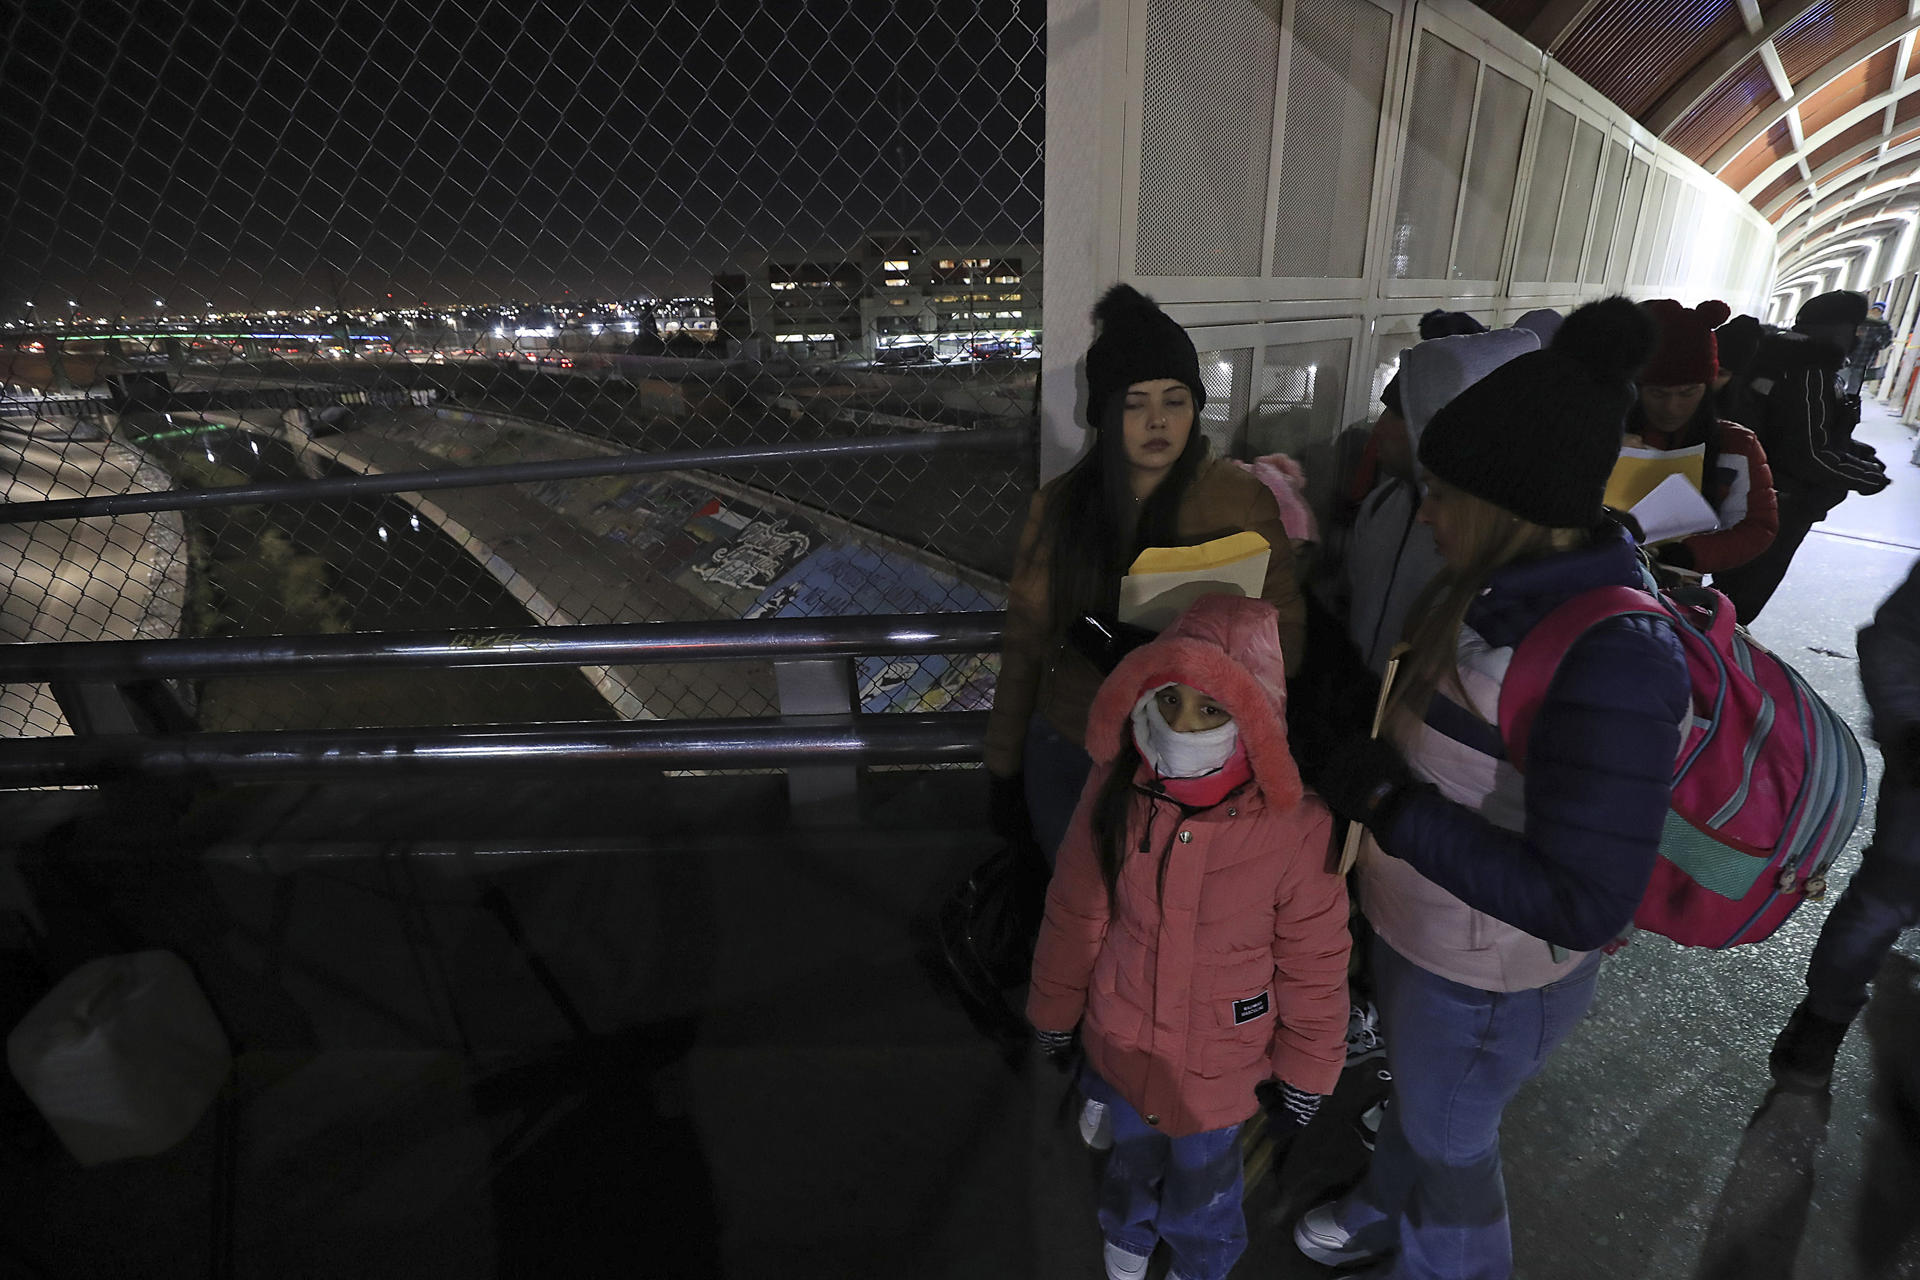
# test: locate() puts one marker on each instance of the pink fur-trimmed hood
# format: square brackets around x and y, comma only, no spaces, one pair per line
[1228,646]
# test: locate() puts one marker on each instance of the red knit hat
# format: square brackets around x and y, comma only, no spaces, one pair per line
[1687,351]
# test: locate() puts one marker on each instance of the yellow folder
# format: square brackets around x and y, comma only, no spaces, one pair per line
[1165,580]
[1640,471]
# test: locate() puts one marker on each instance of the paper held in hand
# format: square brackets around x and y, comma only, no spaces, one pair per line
[1165,580]
[1639,471]
[1674,509]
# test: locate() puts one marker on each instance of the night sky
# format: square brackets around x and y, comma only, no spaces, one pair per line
[304,154]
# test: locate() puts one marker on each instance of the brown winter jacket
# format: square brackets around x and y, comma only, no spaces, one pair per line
[1042,671]
[1189,998]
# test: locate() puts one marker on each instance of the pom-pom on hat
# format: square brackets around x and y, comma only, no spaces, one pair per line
[1539,435]
[1137,342]
[1687,352]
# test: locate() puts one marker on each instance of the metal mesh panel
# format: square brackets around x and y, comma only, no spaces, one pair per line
[1208,89]
[1336,80]
[360,239]
[1500,125]
[1606,213]
[1543,194]
[1576,207]
[1439,114]
[1228,377]
[1624,248]
[1303,392]
[1679,245]
[1386,363]
[1661,230]
[1650,227]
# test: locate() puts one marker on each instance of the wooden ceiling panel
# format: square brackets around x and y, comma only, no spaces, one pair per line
[1829,29]
[1866,79]
[1734,104]
[1846,140]
[1762,153]
[1613,48]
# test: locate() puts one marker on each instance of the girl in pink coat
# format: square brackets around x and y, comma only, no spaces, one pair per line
[1195,934]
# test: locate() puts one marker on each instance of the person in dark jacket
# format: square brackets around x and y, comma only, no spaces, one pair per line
[1806,427]
[1883,898]
[1491,889]
[1870,338]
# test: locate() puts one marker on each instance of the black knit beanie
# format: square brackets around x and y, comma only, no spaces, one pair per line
[1540,434]
[1441,323]
[1137,342]
[1841,306]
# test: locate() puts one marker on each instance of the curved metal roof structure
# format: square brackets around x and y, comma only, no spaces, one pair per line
[1810,109]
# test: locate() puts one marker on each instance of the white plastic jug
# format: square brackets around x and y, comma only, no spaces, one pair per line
[122,1057]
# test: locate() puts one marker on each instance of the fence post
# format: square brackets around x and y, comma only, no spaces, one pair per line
[816,687]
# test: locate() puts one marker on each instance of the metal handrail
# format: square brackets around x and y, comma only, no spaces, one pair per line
[435,478]
[955,737]
[875,635]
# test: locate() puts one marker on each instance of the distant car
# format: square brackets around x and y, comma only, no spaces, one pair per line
[905,353]
[998,349]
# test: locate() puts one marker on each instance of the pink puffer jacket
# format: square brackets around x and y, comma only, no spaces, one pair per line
[1186,1001]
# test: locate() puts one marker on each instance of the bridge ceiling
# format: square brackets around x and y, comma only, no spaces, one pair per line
[1810,109]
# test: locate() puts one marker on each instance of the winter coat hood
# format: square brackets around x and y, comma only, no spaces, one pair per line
[1229,647]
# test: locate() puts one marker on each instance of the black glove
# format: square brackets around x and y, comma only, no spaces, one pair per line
[1365,781]
[1676,554]
[1007,809]
[1060,1048]
[1287,1112]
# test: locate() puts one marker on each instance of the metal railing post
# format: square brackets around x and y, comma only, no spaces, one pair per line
[818,687]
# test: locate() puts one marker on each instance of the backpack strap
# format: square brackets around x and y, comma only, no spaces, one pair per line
[1536,659]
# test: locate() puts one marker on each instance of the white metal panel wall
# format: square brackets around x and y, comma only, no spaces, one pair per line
[1297,180]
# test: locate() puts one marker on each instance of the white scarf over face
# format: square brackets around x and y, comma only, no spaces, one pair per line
[1180,755]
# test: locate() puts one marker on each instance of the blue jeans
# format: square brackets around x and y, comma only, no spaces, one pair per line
[1881,900]
[1434,1196]
[1055,770]
[1185,1191]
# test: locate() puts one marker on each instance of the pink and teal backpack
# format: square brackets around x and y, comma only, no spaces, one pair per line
[1768,784]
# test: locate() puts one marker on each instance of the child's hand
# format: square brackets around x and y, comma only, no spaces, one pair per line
[1287,1111]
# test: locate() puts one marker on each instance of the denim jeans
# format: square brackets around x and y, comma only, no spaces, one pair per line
[1056,769]
[1185,1191]
[1882,899]
[1434,1196]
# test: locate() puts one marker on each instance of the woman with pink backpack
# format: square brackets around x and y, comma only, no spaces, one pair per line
[1493,884]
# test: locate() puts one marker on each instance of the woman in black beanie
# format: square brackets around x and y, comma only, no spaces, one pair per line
[1146,482]
[1492,889]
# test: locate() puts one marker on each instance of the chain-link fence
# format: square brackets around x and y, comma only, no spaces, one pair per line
[264,243]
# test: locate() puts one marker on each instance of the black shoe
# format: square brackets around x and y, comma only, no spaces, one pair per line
[1804,1053]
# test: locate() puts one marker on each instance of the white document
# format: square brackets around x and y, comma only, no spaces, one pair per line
[1674,509]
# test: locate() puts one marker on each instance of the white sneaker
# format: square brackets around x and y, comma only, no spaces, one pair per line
[1096,1126]
[1364,1041]
[1122,1265]
[1322,1238]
